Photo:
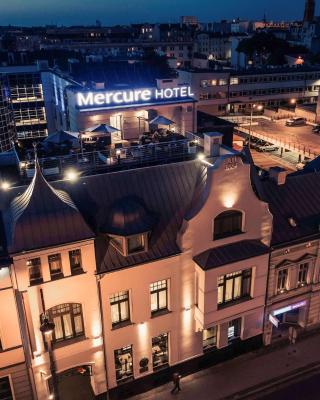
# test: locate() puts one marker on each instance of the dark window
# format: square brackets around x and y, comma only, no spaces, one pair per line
[135,244]
[234,286]
[226,224]
[120,310]
[160,352]
[68,321]
[282,280]
[75,261]
[209,338]
[234,329]
[123,363]
[55,265]
[35,273]
[303,274]
[5,389]
[159,296]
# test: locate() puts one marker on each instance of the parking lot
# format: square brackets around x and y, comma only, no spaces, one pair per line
[275,144]
[300,136]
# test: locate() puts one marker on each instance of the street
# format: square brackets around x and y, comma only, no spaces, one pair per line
[307,389]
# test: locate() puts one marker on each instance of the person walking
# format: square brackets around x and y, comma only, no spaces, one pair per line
[176,382]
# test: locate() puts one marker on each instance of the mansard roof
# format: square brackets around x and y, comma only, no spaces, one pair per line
[42,216]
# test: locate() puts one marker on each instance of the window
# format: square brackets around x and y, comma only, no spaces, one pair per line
[75,261]
[68,321]
[282,280]
[234,329]
[160,353]
[35,273]
[159,296]
[135,244]
[6,392]
[120,310]
[227,224]
[223,82]
[123,363]
[55,266]
[209,340]
[303,274]
[131,244]
[234,286]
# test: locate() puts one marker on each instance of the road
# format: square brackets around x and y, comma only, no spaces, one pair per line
[308,389]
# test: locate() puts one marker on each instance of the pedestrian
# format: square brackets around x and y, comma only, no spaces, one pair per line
[176,382]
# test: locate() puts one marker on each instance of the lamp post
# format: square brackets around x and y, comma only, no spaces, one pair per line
[258,107]
[47,329]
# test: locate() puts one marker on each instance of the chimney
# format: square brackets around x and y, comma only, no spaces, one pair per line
[309,11]
[212,143]
[278,174]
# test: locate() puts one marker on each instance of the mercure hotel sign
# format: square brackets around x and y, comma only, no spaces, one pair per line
[120,98]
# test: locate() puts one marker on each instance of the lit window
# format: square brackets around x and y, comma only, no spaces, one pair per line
[234,286]
[209,338]
[234,329]
[124,363]
[35,273]
[68,321]
[75,261]
[120,310]
[282,280]
[160,352]
[234,80]
[55,266]
[159,296]
[303,274]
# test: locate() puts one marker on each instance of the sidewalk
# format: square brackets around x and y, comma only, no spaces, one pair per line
[242,373]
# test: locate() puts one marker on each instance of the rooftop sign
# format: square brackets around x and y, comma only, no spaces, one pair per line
[118,98]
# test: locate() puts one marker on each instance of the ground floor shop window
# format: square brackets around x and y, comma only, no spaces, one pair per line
[234,329]
[5,389]
[124,363]
[160,353]
[210,338]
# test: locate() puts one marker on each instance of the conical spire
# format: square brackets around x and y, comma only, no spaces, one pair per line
[43,216]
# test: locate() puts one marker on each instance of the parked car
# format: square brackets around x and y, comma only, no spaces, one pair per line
[296,121]
[269,148]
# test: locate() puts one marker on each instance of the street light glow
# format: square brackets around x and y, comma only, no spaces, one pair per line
[71,175]
[5,185]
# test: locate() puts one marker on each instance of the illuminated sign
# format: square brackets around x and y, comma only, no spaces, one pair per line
[290,308]
[274,320]
[130,97]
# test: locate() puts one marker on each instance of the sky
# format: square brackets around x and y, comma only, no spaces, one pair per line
[112,12]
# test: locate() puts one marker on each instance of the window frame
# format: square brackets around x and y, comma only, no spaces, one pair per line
[123,248]
[223,218]
[121,322]
[55,275]
[129,349]
[283,289]
[215,336]
[223,280]
[157,291]
[75,270]
[304,268]
[10,385]
[166,352]
[36,280]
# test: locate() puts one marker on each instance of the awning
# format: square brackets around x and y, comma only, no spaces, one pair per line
[160,120]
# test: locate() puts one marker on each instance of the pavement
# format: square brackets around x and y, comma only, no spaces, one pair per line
[248,376]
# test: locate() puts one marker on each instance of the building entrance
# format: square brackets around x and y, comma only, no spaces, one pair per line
[75,384]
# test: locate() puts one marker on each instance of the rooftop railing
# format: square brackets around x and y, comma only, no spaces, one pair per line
[113,159]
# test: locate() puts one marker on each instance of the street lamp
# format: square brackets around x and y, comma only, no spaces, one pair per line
[47,329]
[258,107]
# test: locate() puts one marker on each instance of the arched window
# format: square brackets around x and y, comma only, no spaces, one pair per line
[226,224]
[68,321]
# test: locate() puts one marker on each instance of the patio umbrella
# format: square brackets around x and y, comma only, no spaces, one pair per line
[100,130]
[62,137]
[161,120]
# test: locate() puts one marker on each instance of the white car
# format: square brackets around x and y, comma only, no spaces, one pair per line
[296,121]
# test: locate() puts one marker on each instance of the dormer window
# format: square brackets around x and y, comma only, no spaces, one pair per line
[130,245]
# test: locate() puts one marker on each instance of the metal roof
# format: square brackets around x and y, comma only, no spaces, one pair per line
[230,253]
[42,216]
